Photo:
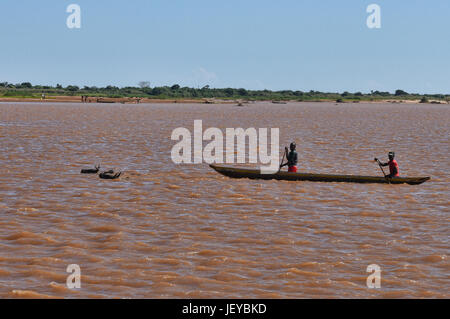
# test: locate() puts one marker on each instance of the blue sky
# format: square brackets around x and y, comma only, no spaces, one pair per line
[256,44]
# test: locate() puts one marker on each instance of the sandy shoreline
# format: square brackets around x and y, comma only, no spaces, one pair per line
[126,100]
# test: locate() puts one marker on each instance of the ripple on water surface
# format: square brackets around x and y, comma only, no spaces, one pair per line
[164,230]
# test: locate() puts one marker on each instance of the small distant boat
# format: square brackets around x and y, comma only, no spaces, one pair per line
[279,102]
[101,100]
[256,174]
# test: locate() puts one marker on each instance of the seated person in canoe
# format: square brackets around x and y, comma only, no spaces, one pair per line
[393,166]
[292,158]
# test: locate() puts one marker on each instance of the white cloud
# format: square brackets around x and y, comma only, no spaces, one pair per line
[202,77]
[253,85]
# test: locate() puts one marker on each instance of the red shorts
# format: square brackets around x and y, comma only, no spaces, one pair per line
[292,169]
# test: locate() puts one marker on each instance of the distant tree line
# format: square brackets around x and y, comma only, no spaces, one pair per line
[176,91]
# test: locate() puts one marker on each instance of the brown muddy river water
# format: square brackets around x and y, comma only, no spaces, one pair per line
[183,231]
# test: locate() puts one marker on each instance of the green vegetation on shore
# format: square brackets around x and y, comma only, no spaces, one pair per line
[27,90]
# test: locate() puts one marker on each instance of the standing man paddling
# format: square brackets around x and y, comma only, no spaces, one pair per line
[393,166]
[292,158]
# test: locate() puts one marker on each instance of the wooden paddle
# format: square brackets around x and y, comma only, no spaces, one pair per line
[282,160]
[379,164]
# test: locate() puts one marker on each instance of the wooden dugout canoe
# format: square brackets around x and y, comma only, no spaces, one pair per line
[256,174]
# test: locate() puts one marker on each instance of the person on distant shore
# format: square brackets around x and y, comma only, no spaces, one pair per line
[43,96]
[393,166]
[292,158]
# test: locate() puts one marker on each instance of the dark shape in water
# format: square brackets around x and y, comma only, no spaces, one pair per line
[91,170]
[109,175]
